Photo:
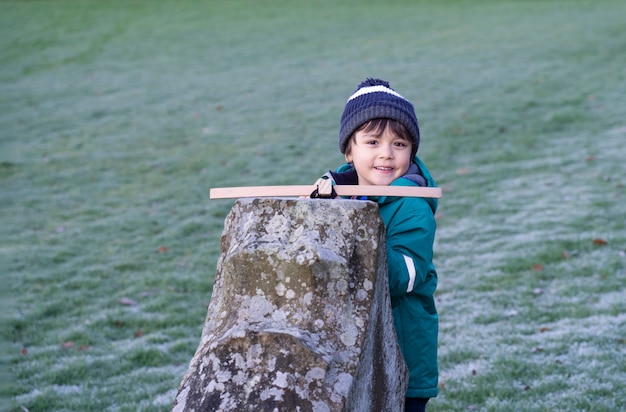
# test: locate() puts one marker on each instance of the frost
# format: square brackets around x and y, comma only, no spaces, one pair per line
[497,313]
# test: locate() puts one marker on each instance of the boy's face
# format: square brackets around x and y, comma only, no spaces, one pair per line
[379,159]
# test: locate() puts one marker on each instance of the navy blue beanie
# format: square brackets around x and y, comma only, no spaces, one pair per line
[374,99]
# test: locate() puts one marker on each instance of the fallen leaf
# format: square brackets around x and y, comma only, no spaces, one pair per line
[600,242]
[591,158]
[544,329]
[139,333]
[83,347]
[163,249]
[537,267]
[462,171]
[128,302]
[67,345]
[24,351]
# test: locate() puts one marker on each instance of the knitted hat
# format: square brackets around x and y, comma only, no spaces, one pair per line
[373,99]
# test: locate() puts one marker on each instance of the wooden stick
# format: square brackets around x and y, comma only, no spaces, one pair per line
[306,190]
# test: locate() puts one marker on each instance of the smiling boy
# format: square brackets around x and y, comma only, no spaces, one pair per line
[378,154]
[379,137]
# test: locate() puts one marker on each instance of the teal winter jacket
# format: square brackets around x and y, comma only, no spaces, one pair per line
[410,233]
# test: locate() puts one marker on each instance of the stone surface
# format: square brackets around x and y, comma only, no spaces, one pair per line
[300,317]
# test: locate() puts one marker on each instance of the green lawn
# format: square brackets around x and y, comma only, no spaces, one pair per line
[116,117]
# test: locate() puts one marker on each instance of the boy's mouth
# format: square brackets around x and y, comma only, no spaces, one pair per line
[383,168]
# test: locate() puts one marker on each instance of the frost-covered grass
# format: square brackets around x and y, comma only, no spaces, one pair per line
[532,302]
[117,117]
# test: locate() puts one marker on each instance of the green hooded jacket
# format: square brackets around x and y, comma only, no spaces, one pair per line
[410,233]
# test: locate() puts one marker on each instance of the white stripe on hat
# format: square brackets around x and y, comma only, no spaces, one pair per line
[374,89]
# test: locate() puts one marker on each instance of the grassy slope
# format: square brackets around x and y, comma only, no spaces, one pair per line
[116,118]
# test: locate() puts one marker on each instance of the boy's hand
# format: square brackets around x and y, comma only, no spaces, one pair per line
[324,188]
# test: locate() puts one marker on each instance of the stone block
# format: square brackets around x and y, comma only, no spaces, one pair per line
[300,316]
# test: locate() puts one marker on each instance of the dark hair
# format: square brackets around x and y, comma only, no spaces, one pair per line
[378,126]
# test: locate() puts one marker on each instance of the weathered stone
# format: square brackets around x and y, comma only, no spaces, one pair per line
[300,316]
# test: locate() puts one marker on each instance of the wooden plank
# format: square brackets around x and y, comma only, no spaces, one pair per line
[306,190]
[260,191]
[401,191]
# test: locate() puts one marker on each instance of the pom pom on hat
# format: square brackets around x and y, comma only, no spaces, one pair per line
[374,99]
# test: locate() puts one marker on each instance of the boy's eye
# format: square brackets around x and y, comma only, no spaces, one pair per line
[401,144]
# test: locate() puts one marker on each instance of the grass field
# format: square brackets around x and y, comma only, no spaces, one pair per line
[117,117]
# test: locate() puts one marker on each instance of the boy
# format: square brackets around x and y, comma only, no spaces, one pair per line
[379,137]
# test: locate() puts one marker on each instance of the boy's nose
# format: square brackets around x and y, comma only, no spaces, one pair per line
[386,152]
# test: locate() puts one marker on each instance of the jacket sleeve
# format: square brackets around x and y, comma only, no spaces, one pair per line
[410,238]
